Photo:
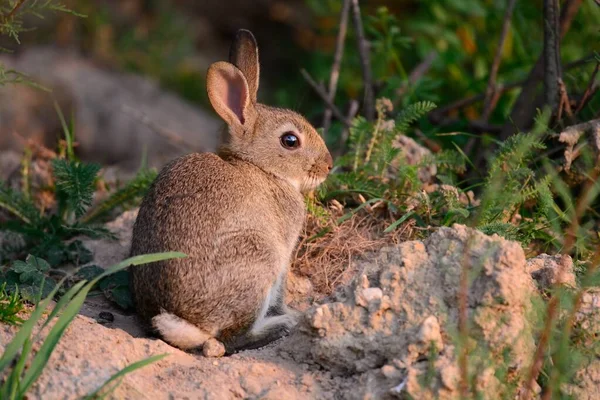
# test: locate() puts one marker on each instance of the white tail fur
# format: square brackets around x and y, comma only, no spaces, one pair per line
[179,332]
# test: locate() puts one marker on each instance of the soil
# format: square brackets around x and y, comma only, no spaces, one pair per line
[390,333]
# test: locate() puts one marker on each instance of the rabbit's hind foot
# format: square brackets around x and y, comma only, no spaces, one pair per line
[263,332]
[178,332]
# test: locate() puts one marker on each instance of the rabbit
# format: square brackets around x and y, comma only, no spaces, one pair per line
[237,214]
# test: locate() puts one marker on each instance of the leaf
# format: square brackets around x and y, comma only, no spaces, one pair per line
[396,223]
[135,188]
[119,375]
[89,272]
[116,288]
[122,296]
[39,263]
[32,277]
[16,204]
[21,267]
[75,184]
[78,254]
[31,270]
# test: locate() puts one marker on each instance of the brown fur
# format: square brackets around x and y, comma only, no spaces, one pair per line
[236,214]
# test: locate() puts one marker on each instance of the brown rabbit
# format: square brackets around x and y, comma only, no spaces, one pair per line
[237,215]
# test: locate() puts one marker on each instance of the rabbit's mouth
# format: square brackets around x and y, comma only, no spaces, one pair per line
[311,183]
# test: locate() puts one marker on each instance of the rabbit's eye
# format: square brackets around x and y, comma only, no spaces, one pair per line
[289,140]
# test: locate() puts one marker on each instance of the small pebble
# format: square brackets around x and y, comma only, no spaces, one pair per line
[213,348]
[107,316]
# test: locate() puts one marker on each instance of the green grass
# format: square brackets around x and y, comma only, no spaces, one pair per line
[22,367]
[11,305]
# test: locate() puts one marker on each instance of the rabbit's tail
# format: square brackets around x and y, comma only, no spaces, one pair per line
[179,332]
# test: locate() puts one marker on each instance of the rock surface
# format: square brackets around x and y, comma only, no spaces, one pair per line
[412,153]
[392,333]
[116,115]
[404,306]
[550,270]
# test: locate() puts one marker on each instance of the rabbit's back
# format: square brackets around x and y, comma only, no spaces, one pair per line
[214,210]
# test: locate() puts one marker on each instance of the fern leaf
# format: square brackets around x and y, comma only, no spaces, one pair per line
[358,136]
[19,206]
[75,184]
[412,113]
[134,189]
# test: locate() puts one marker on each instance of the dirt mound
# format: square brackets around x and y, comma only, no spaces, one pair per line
[398,318]
[392,332]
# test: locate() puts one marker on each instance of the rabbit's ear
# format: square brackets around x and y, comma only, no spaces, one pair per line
[228,93]
[244,55]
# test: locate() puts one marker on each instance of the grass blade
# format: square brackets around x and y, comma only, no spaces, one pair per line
[64,300]
[349,215]
[44,353]
[72,309]
[395,224]
[119,375]
[12,383]
[137,260]
[25,332]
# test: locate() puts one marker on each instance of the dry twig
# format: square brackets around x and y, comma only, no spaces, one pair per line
[524,107]
[337,61]
[14,10]
[365,62]
[320,90]
[417,73]
[554,303]
[564,102]
[437,115]
[552,73]
[352,111]
[588,91]
[490,92]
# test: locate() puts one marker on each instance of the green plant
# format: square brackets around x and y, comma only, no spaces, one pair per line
[374,168]
[12,14]
[29,278]
[21,367]
[48,233]
[11,305]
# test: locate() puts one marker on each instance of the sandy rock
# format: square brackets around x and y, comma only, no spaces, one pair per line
[571,136]
[9,162]
[390,334]
[419,282]
[90,353]
[412,153]
[114,113]
[586,384]
[549,270]
[299,291]
[588,315]
[109,252]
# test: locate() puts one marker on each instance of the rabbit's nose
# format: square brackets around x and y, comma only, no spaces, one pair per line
[329,162]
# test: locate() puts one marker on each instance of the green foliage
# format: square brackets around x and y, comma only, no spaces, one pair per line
[12,14]
[20,371]
[376,169]
[10,306]
[74,185]
[50,234]
[116,288]
[125,197]
[29,278]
